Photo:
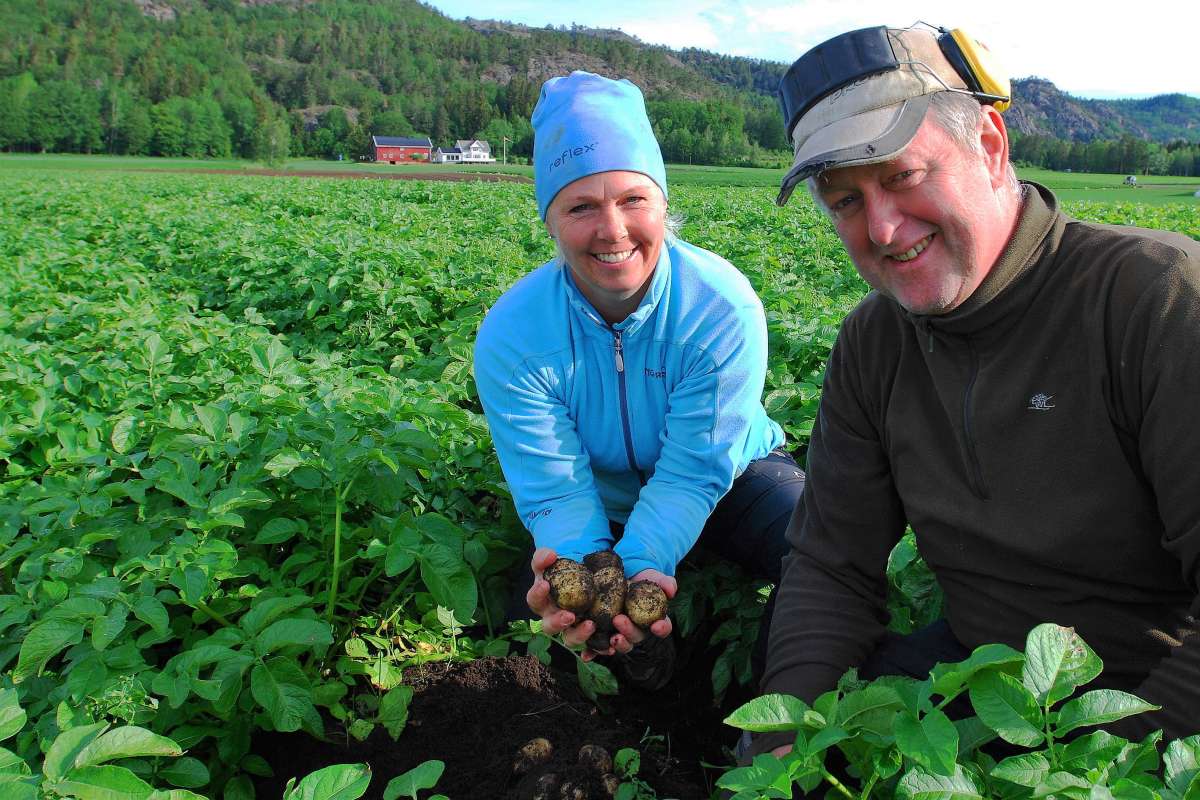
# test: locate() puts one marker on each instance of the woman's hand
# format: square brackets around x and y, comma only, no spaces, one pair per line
[628,634]
[557,620]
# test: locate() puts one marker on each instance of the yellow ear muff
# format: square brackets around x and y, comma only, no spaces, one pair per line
[992,78]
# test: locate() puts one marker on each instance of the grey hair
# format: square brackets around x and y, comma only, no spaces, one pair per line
[959,115]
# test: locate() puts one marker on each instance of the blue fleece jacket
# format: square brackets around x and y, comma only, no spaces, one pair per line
[646,422]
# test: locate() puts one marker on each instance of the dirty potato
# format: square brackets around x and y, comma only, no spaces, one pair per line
[645,603]
[603,558]
[571,585]
[611,784]
[533,753]
[595,758]
[546,787]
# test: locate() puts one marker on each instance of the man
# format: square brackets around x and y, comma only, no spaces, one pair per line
[1020,388]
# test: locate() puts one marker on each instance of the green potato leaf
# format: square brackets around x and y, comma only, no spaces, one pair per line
[127,741]
[1007,707]
[918,784]
[769,713]
[312,634]
[186,772]
[1026,769]
[1057,662]
[44,641]
[280,688]
[108,782]
[449,579]
[60,758]
[12,716]
[337,782]
[423,776]
[1097,708]
[931,741]
[393,710]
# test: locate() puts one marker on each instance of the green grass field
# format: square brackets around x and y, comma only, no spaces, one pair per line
[1070,187]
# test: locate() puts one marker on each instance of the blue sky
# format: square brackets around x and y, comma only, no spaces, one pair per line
[1096,49]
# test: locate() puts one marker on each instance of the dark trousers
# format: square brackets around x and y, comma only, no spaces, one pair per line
[914,655]
[747,527]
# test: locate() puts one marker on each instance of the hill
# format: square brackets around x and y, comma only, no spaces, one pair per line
[265,78]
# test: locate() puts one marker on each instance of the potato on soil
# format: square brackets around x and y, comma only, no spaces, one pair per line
[571,585]
[533,753]
[595,758]
[645,603]
[611,784]
[545,788]
[570,790]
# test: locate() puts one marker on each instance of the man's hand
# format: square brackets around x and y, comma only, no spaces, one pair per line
[557,620]
[628,634]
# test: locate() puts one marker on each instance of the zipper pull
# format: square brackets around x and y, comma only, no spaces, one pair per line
[620,358]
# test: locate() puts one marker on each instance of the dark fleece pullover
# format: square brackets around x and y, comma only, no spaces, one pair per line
[1042,442]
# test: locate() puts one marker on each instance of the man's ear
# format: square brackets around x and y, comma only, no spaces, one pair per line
[993,138]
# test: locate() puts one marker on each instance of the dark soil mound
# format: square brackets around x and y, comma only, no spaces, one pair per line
[475,716]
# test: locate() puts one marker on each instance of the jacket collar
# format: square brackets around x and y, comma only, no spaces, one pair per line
[660,282]
[1012,282]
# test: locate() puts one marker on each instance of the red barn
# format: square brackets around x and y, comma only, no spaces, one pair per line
[402,149]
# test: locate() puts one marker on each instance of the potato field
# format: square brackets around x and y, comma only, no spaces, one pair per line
[253,536]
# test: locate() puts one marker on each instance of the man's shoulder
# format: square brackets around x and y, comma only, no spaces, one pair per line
[1146,251]
[876,317]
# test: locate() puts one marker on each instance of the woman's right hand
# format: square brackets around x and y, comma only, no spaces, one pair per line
[557,620]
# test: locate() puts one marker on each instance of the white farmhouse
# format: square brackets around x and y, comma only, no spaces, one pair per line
[475,151]
[465,151]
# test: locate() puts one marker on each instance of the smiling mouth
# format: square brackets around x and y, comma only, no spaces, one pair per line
[913,251]
[613,258]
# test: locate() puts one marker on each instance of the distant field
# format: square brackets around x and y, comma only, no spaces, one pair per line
[1070,187]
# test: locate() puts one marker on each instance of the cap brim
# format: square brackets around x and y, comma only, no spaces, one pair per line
[867,138]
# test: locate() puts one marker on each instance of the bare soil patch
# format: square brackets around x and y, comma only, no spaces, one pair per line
[487,177]
[475,716]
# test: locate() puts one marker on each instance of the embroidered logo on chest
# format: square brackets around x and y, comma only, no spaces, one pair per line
[1041,402]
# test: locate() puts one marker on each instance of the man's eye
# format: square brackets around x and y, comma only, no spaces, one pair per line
[901,178]
[635,199]
[843,204]
[579,209]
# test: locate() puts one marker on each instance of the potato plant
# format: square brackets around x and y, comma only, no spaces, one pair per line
[899,742]
[244,476]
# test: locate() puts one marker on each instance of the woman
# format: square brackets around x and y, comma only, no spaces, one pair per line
[622,380]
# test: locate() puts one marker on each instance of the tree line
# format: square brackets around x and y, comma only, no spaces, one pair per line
[1127,155]
[318,80]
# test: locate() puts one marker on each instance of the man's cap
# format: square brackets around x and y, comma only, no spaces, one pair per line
[860,97]
[584,124]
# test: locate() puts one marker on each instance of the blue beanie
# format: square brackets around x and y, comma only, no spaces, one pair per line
[586,123]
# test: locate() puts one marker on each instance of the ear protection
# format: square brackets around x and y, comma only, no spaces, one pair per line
[858,54]
[976,66]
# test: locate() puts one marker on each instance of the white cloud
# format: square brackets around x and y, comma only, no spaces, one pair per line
[1085,49]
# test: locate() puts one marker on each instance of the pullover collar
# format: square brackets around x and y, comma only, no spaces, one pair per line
[660,282]
[1012,282]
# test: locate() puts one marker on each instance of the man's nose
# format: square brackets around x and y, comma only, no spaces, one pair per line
[883,218]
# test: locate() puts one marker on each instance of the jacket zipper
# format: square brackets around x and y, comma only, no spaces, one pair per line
[976,471]
[619,357]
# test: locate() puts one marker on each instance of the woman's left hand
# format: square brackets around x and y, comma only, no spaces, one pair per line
[628,634]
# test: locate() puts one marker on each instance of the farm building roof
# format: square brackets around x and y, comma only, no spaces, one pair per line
[401,141]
